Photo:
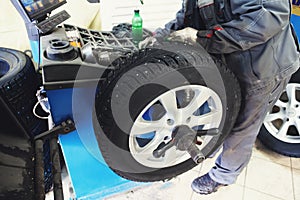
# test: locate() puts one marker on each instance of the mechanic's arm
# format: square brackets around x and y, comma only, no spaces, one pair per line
[258,21]
[174,25]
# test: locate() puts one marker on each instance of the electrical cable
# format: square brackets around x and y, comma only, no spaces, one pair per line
[35,106]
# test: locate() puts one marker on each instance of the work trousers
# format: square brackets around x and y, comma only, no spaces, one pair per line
[237,147]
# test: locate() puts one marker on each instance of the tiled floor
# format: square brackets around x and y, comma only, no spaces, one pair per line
[268,176]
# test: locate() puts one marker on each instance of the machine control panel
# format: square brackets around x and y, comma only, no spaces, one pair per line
[50,23]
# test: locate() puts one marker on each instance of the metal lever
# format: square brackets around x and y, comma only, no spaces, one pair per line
[52,135]
[184,140]
[210,132]
[64,128]
[160,151]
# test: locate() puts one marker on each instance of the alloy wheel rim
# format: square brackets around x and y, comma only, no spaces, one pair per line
[283,122]
[202,111]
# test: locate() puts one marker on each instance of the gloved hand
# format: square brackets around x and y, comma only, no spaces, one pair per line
[187,35]
[192,36]
[148,42]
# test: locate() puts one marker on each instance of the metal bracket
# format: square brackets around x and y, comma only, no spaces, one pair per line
[64,128]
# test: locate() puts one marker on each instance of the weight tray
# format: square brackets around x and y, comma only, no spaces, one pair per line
[106,39]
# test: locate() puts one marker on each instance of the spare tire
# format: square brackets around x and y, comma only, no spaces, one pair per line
[281,128]
[18,85]
[149,95]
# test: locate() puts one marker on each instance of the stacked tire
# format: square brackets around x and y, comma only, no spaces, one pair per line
[18,85]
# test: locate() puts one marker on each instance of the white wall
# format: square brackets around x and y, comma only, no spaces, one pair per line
[12,29]
[155,13]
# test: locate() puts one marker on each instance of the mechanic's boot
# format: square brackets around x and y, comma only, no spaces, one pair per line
[205,185]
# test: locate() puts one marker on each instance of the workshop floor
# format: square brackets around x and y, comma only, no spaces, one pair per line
[269,176]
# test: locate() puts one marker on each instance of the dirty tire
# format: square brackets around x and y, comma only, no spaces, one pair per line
[18,85]
[139,79]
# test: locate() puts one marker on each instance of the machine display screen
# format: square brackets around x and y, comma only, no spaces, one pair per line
[39,8]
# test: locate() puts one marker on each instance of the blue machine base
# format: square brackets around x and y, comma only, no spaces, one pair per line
[90,176]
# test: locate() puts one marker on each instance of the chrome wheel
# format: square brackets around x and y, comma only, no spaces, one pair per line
[283,121]
[196,106]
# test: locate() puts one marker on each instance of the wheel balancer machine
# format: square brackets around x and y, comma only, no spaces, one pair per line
[70,72]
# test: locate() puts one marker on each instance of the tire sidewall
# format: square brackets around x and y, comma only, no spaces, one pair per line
[15,59]
[287,149]
[296,77]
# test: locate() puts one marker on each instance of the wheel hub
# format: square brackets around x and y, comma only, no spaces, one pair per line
[291,113]
[203,111]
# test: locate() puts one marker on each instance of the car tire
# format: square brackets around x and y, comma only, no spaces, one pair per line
[18,85]
[280,131]
[138,84]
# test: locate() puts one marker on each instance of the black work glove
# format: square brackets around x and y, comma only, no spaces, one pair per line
[203,38]
[206,38]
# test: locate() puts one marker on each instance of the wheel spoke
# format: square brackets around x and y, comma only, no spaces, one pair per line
[170,156]
[291,93]
[169,102]
[152,145]
[207,118]
[142,126]
[273,116]
[284,129]
[280,104]
[147,151]
[297,125]
[199,99]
